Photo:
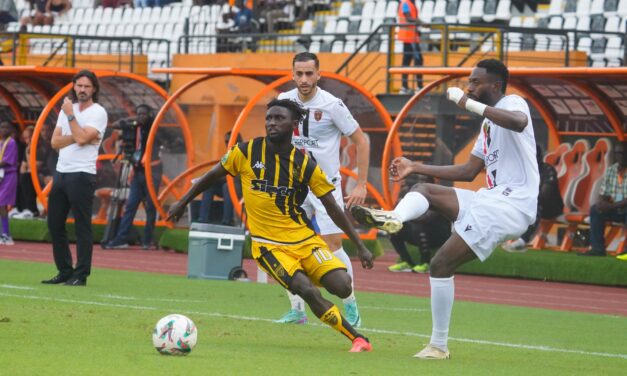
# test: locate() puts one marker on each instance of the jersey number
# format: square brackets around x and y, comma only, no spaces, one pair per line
[322,255]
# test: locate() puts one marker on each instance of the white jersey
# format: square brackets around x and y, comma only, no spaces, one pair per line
[76,158]
[510,158]
[320,133]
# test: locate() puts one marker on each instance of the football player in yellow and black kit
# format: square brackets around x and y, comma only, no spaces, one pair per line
[276,178]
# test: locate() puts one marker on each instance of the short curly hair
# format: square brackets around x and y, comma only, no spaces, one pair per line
[297,111]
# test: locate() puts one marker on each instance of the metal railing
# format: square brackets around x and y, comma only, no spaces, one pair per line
[71,46]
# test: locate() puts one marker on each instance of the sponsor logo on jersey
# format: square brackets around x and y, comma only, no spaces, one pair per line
[492,157]
[318,115]
[305,142]
[258,164]
[468,228]
[263,186]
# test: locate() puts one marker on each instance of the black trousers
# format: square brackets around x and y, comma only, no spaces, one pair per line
[26,195]
[411,51]
[72,191]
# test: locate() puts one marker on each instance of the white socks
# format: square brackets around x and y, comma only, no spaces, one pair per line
[442,297]
[298,303]
[412,206]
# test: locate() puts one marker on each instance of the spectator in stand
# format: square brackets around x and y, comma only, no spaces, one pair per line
[410,36]
[550,203]
[220,189]
[8,178]
[243,17]
[37,14]
[611,204]
[272,12]
[57,8]
[26,196]
[224,27]
[8,13]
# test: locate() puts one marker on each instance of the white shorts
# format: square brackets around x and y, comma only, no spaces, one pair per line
[485,221]
[313,206]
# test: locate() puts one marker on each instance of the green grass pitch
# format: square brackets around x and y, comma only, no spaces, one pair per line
[105,329]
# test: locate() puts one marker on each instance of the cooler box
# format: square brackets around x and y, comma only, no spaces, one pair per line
[214,250]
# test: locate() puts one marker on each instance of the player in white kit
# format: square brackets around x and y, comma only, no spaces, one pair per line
[319,135]
[483,219]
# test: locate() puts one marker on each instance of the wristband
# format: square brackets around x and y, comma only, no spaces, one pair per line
[476,107]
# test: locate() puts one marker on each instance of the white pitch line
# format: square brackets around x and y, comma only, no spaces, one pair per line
[395,309]
[382,331]
[16,287]
[121,297]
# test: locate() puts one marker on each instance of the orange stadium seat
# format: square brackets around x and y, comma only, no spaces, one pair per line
[555,159]
[570,166]
[585,189]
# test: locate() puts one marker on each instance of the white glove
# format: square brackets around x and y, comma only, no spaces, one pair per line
[454,94]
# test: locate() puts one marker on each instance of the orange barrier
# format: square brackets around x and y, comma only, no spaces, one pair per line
[64,75]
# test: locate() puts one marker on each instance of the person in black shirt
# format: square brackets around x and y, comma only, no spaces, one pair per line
[139,189]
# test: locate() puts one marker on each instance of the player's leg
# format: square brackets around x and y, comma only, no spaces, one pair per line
[449,257]
[421,198]
[326,311]
[296,314]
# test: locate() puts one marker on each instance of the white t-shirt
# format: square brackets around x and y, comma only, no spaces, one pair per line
[510,158]
[75,158]
[320,133]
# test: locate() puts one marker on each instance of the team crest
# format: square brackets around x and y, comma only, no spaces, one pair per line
[318,115]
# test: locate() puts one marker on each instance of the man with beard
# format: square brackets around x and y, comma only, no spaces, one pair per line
[77,136]
[482,219]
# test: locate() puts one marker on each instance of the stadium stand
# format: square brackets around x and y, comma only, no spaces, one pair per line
[594,26]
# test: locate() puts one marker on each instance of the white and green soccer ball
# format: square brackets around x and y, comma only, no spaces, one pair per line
[175,335]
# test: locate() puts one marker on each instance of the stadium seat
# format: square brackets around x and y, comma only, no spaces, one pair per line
[307,28]
[367,11]
[314,47]
[379,10]
[476,11]
[583,8]
[345,9]
[574,165]
[502,12]
[329,30]
[463,13]
[451,11]
[337,46]
[350,46]
[584,189]
[426,11]
[439,11]
[555,158]
[392,9]
[556,8]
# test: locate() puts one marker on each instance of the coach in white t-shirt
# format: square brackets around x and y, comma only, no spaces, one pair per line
[77,137]
[319,135]
[503,210]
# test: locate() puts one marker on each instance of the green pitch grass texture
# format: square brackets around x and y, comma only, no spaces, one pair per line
[105,329]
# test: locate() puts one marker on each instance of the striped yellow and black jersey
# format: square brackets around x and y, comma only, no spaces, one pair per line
[275,186]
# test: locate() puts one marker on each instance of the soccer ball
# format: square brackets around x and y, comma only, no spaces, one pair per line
[175,335]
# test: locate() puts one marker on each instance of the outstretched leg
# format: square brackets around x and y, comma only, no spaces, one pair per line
[421,198]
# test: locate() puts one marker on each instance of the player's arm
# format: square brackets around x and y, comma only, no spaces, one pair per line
[207,180]
[339,218]
[358,195]
[402,167]
[513,120]
[59,141]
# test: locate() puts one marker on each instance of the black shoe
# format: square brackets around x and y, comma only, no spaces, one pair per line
[592,252]
[57,279]
[75,281]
